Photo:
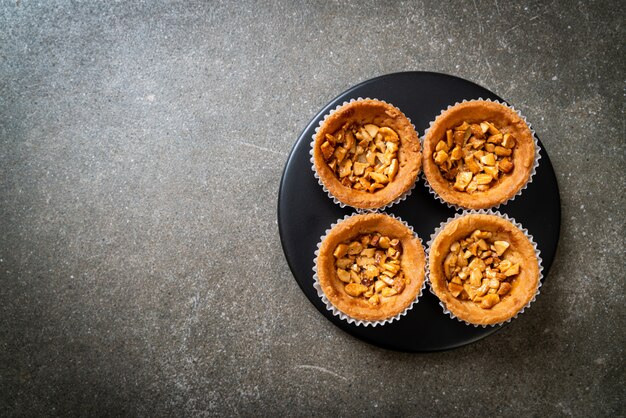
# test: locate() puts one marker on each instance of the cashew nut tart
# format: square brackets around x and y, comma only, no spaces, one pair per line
[483,268]
[371,266]
[367,154]
[478,154]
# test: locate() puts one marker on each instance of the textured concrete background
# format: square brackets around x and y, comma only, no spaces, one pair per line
[141,147]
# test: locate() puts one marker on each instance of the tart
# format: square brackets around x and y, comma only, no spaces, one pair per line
[371,267]
[483,268]
[478,154]
[367,154]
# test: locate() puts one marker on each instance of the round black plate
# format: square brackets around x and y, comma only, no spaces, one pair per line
[305,211]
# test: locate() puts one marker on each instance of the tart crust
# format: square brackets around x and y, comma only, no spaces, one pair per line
[521,251]
[412,263]
[507,121]
[409,155]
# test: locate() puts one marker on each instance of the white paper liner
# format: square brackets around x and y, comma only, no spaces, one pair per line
[340,314]
[484,212]
[532,172]
[319,180]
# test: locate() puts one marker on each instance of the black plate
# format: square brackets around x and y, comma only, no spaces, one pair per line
[305,211]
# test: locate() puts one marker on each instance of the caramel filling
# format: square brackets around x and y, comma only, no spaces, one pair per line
[370,267]
[474,156]
[363,157]
[476,269]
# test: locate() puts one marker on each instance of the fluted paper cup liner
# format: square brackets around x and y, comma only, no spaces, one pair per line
[342,315]
[400,198]
[500,215]
[521,189]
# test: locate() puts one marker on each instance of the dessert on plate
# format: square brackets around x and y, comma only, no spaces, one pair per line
[371,267]
[483,268]
[366,154]
[478,154]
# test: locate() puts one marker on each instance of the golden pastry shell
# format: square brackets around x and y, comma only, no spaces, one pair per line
[525,251]
[358,310]
[508,120]
[380,113]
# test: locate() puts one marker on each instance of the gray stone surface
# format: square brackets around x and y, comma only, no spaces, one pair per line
[141,147]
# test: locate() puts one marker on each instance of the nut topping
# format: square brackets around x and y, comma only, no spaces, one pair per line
[370,265]
[363,157]
[473,156]
[476,270]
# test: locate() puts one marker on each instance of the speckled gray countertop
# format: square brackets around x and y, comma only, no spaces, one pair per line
[141,148]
